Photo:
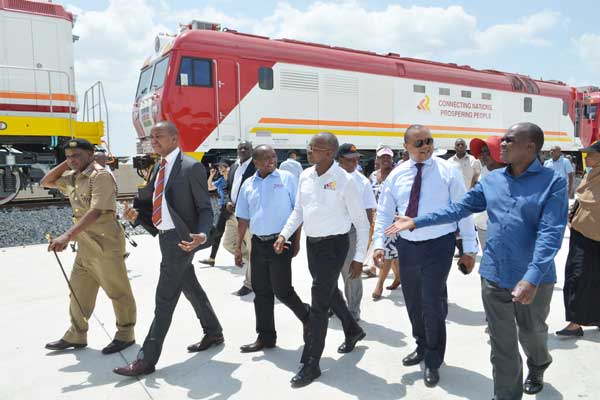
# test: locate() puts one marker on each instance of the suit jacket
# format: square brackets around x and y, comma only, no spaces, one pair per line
[187,198]
[251,170]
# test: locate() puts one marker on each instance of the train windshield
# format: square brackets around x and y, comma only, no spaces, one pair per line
[152,77]
[144,82]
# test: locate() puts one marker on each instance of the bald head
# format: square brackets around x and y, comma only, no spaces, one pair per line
[534,133]
[328,140]
[167,127]
[100,158]
[262,151]
[415,128]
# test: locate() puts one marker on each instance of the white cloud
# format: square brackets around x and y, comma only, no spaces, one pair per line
[588,48]
[115,41]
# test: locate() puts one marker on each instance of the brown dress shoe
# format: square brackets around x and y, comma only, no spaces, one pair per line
[64,345]
[116,346]
[256,346]
[136,368]
[206,342]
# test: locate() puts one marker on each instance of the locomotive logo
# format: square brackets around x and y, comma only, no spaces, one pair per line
[424,104]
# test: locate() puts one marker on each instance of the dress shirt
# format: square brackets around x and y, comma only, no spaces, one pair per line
[328,205]
[364,185]
[441,184]
[469,166]
[562,166]
[167,222]
[267,202]
[527,219]
[292,166]
[237,179]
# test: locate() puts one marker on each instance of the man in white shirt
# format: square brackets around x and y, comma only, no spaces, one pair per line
[562,166]
[347,158]
[469,166]
[328,203]
[291,164]
[416,187]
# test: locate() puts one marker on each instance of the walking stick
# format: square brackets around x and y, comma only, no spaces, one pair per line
[49,238]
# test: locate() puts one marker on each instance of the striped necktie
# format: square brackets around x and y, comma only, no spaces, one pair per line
[413,203]
[158,194]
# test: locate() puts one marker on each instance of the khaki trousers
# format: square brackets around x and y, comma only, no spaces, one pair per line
[229,241]
[92,270]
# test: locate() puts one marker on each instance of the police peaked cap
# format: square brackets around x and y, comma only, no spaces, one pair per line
[78,144]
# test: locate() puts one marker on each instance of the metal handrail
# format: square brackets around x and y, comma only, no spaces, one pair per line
[96,89]
[71,90]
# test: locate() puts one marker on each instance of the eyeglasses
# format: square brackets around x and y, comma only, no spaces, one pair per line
[508,139]
[311,149]
[422,142]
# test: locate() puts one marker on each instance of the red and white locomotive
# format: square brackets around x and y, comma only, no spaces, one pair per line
[221,86]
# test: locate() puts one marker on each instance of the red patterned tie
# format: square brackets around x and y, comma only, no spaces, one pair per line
[158,194]
[413,203]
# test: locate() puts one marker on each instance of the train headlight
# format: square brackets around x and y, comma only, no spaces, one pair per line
[3,125]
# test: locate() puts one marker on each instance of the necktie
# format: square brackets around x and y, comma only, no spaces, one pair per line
[413,203]
[158,194]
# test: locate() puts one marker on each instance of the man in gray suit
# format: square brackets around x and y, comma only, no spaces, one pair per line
[175,205]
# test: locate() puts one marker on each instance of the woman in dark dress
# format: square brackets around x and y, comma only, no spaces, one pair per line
[582,272]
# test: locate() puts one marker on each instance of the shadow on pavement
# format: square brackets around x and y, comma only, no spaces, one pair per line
[457,381]
[464,316]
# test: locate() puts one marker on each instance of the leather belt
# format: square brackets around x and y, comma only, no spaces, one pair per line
[312,239]
[267,238]
[163,231]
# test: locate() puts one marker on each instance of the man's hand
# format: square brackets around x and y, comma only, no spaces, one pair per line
[401,223]
[237,256]
[197,240]
[278,245]
[468,261]
[59,244]
[355,269]
[130,214]
[230,207]
[378,257]
[524,292]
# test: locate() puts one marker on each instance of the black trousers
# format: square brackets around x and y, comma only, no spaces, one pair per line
[424,267]
[325,262]
[218,229]
[176,275]
[582,280]
[272,276]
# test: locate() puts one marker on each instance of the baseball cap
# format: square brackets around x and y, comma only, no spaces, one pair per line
[78,144]
[348,150]
[385,151]
[592,148]
[493,144]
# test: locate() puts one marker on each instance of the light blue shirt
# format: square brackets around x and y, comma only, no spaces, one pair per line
[527,219]
[292,166]
[267,202]
[562,166]
[441,185]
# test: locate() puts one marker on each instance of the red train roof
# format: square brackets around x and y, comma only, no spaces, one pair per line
[36,8]
[319,55]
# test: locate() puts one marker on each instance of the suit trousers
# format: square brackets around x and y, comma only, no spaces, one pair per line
[272,276]
[176,275]
[353,288]
[229,241]
[424,266]
[325,262]
[217,232]
[510,324]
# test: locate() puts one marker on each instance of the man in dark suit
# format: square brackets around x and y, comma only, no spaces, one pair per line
[243,169]
[175,205]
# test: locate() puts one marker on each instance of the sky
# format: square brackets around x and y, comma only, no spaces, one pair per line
[549,39]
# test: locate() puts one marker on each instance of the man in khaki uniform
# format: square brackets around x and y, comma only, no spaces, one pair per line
[100,260]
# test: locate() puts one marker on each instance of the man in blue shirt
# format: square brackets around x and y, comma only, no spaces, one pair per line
[264,203]
[291,164]
[527,209]
[562,166]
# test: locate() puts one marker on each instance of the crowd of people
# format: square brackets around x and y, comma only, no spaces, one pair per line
[407,216]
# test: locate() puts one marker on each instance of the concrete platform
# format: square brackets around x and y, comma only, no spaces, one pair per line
[33,305]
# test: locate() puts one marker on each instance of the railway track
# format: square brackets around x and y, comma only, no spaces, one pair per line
[43,202]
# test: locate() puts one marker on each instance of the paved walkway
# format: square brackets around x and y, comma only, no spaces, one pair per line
[33,305]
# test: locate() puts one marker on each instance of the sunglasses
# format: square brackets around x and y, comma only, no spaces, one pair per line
[422,142]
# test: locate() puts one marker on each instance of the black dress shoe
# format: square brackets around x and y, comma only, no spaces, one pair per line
[308,373]
[64,345]
[206,342]
[413,358]
[570,332]
[136,368]
[534,383]
[350,342]
[256,346]
[116,346]
[431,376]
[243,291]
